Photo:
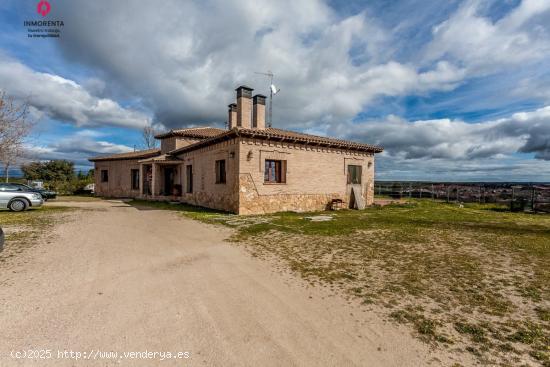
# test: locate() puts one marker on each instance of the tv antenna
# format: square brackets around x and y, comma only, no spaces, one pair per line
[272,91]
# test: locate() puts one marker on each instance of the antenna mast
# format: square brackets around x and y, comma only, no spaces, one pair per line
[270,75]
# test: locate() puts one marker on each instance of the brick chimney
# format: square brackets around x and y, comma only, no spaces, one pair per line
[258,112]
[232,116]
[244,106]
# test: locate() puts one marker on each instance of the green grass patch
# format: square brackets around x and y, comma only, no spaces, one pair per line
[475,332]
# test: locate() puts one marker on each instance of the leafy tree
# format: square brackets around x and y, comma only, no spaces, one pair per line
[56,170]
[32,171]
[58,175]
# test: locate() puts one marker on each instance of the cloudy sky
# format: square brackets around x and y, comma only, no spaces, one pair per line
[453,90]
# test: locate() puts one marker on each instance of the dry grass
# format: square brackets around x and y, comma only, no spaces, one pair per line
[472,280]
[23,229]
[77,198]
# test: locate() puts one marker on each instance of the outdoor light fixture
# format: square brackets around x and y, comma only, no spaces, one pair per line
[249,155]
[231,154]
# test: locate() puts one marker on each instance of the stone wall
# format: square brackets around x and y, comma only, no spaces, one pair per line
[250,202]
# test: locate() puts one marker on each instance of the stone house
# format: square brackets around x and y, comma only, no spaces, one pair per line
[246,169]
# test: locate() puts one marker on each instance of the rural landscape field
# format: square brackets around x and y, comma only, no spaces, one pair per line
[473,279]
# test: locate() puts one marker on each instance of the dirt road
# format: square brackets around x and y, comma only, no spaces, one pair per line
[126,280]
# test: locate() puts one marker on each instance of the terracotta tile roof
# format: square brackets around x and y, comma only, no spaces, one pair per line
[282,135]
[193,132]
[141,154]
[288,135]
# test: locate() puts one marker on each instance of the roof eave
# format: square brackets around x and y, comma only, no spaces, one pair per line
[236,132]
[111,158]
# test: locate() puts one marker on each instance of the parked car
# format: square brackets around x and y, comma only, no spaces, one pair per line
[46,194]
[16,199]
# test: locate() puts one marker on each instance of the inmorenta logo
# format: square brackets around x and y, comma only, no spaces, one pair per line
[43,7]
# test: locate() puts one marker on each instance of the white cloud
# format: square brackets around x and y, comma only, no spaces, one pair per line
[64,99]
[523,132]
[77,148]
[482,45]
[454,150]
[186,59]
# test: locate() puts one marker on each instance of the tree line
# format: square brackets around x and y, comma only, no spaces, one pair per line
[58,175]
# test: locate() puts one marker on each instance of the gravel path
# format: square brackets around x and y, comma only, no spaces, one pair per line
[121,279]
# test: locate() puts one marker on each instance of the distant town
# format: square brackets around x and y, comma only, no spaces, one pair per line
[519,196]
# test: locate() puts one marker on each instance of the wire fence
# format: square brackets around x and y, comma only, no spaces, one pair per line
[519,197]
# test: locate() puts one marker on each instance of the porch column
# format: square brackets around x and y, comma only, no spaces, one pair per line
[155,180]
[141,180]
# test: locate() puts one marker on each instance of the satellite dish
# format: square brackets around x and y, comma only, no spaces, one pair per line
[274,89]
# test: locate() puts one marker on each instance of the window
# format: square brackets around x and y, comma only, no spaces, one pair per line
[104,175]
[220,171]
[354,174]
[275,171]
[135,179]
[10,187]
[189,179]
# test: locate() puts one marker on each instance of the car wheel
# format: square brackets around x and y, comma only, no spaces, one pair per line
[17,205]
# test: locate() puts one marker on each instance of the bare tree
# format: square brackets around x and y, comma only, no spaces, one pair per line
[148,136]
[14,128]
